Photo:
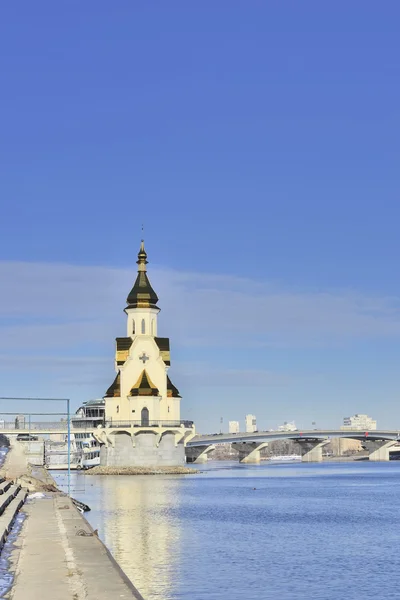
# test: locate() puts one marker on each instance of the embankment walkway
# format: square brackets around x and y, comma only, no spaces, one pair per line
[57,556]
[61,557]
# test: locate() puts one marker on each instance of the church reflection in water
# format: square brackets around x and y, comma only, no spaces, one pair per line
[137,520]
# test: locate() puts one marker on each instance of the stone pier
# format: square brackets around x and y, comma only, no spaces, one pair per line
[311,450]
[249,452]
[378,449]
[126,448]
[198,454]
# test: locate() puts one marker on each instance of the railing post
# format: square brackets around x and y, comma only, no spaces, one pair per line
[69,451]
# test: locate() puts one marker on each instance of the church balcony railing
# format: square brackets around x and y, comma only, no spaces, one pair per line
[149,423]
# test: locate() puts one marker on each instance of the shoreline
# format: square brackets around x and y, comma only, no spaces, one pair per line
[55,553]
[99,470]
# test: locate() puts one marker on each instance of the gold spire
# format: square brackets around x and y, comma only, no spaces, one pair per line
[142,258]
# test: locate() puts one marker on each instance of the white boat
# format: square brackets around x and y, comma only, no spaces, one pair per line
[285,457]
[90,454]
[84,448]
[56,455]
[88,416]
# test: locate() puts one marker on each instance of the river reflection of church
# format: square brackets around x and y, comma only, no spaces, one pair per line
[142,529]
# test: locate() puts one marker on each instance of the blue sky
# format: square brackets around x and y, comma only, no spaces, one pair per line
[258,143]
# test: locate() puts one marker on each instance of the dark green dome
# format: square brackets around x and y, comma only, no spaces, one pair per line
[142,294]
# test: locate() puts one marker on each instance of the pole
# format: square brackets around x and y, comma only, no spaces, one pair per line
[69,450]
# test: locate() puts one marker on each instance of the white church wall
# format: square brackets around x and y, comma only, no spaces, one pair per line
[137,316]
[134,366]
[137,403]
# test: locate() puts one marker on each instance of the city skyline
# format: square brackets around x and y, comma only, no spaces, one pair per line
[265,172]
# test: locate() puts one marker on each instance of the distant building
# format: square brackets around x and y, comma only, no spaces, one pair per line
[358,422]
[288,426]
[251,424]
[234,427]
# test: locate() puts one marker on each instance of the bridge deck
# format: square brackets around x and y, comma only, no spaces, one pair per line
[311,434]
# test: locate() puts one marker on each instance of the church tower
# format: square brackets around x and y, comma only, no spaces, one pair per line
[142,393]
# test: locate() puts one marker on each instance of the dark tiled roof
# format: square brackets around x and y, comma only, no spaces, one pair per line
[142,294]
[163,345]
[124,343]
[172,391]
[122,351]
[144,386]
[114,391]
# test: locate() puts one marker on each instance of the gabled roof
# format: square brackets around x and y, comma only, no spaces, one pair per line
[172,391]
[142,294]
[144,386]
[114,391]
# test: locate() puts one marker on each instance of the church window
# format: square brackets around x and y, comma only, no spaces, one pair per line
[133,327]
[143,326]
[117,408]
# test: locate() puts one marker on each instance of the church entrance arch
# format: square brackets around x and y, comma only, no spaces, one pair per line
[145,417]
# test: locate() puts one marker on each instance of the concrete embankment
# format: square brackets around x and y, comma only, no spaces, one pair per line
[57,555]
[62,557]
[12,497]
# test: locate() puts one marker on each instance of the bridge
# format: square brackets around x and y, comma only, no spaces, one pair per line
[198,447]
[310,443]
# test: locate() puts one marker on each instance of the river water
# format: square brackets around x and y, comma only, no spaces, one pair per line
[287,531]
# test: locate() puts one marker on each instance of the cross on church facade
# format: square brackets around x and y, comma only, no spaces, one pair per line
[144,357]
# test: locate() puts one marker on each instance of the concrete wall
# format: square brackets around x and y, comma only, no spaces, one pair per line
[145,453]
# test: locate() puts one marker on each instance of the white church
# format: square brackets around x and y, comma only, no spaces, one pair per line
[142,404]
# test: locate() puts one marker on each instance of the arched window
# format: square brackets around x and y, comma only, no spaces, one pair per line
[133,327]
[143,326]
[145,417]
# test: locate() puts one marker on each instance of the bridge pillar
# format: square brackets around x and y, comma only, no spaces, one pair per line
[378,449]
[249,452]
[198,454]
[311,450]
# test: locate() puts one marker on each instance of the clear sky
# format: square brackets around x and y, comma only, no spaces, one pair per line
[258,141]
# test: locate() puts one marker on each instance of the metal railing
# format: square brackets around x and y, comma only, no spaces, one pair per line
[148,423]
[34,426]
[90,423]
